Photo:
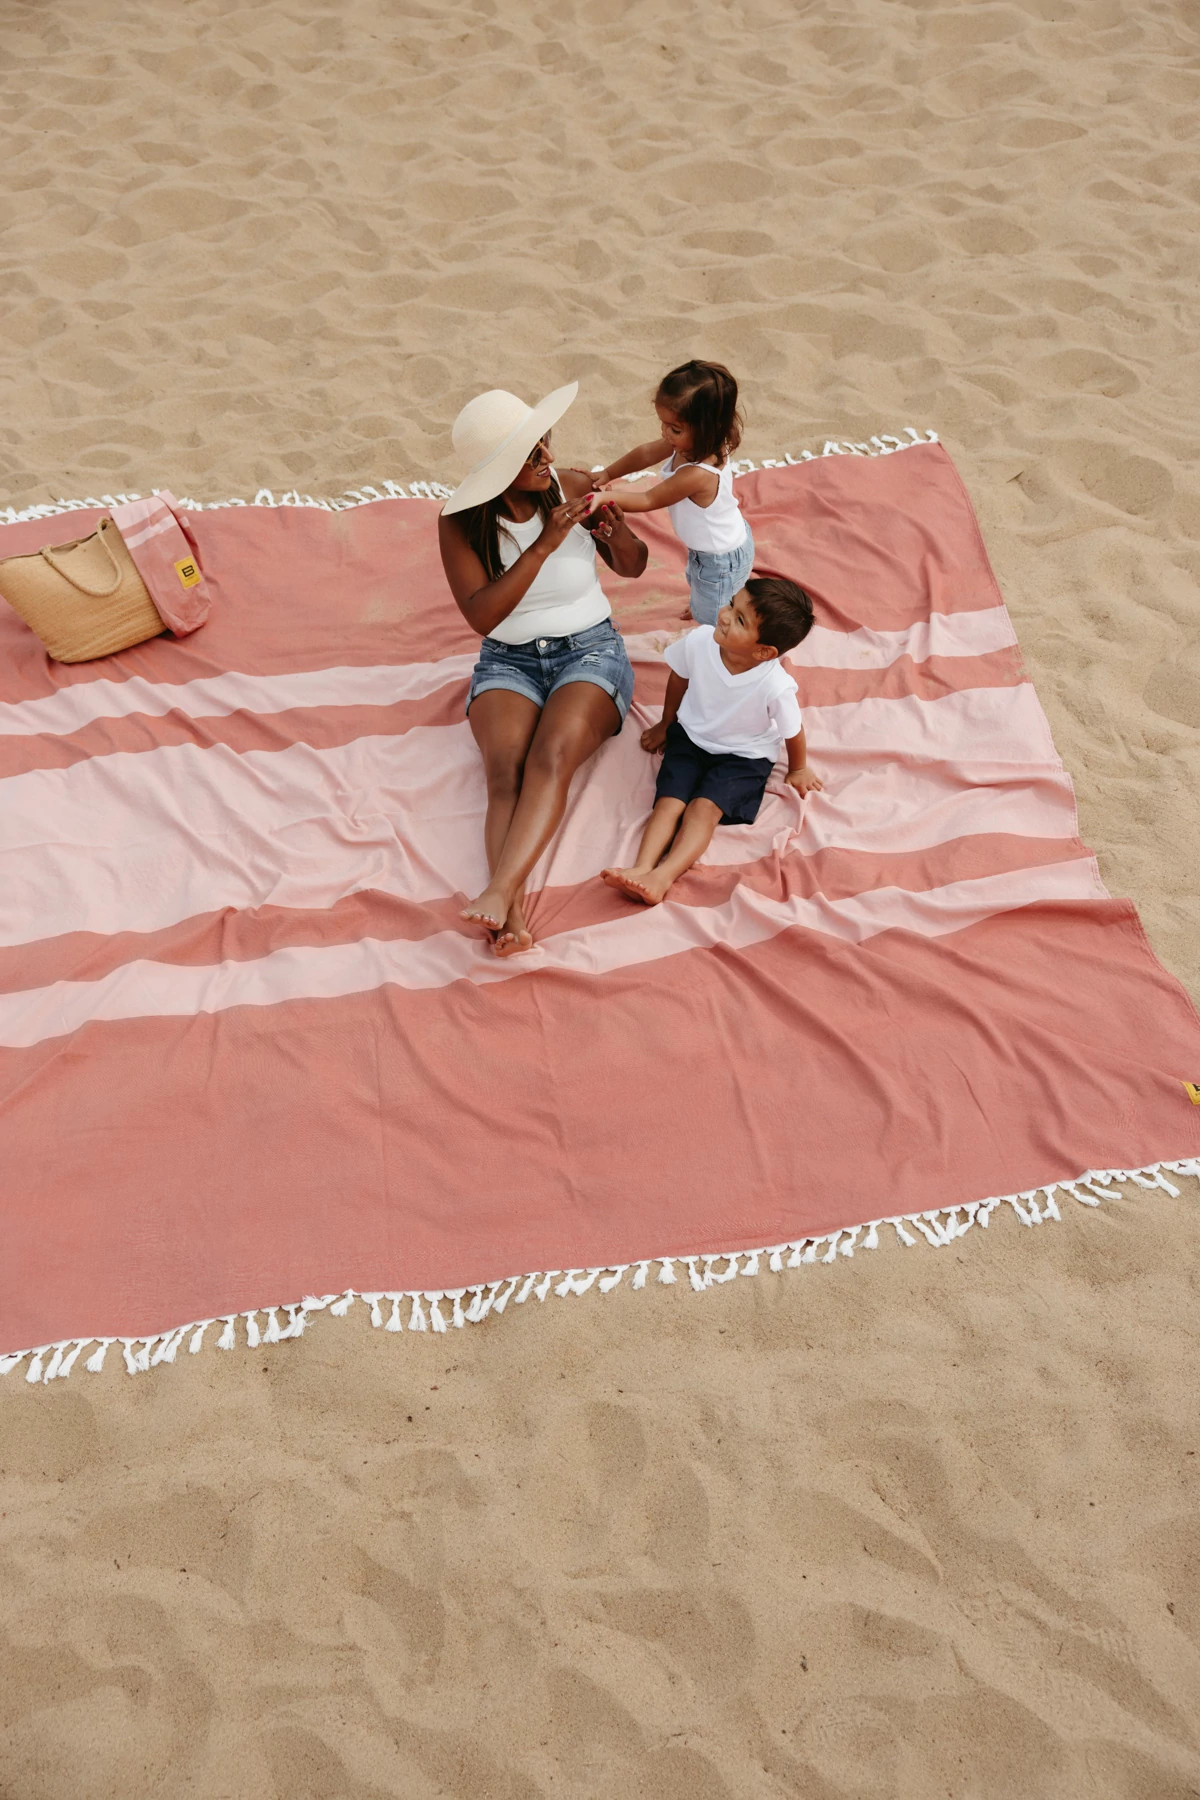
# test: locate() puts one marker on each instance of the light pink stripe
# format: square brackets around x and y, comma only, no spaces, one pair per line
[133,538]
[140,841]
[951,634]
[216,696]
[942,634]
[133,512]
[1001,725]
[158,990]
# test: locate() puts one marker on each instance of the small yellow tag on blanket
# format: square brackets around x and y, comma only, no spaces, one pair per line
[187,571]
[1193,1092]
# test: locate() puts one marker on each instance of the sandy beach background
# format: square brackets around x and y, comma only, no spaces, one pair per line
[924,1524]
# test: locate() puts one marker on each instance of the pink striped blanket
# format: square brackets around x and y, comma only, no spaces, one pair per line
[252,1062]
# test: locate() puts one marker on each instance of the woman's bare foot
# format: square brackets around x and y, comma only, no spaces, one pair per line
[647,885]
[516,935]
[490,910]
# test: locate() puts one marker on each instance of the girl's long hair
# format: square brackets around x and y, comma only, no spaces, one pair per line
[705,396]
[482,526]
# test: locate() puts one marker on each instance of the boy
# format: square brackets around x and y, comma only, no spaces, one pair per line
[730,704]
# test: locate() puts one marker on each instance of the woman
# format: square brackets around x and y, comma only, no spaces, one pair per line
[553,680]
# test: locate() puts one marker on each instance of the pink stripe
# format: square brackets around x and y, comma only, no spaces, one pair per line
[900,677]
[143,841]
[134,538]
[1003,725]
[930,680]
[215,696]
[244,936]
[324,728]
[148,989]
[941,634]
[133,512]
[966,635]
[273,724]
[1050,1038]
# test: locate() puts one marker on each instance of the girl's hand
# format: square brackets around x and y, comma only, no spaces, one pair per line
[804,781]
[654,737]
[603,518]
[558,525]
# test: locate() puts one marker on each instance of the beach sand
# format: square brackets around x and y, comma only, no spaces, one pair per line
[920,1524]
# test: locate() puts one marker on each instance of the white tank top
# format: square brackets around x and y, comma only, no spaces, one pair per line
[718,526]
[564,596]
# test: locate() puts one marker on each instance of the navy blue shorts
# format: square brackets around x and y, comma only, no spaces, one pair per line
[538,668]
[734,783]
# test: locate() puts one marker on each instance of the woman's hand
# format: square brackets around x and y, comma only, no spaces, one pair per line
[603,518]
[621,549]
[558,526]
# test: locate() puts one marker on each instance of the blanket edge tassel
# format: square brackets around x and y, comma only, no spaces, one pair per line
[472,1304]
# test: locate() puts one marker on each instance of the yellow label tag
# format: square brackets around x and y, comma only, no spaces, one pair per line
[187,571]
[1193,1092]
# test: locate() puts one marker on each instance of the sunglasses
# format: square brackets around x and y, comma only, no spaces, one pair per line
[539,457]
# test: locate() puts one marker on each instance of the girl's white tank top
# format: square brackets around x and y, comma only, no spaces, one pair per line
[564,597]
[716,527]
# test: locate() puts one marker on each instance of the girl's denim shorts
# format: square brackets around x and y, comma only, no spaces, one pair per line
[538,668]
[715,576]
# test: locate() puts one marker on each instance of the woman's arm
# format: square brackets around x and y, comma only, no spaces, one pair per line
[644,457]
[485,604]
[622,549]
[697,482]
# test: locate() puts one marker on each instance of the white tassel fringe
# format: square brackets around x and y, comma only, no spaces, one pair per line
[1034,1206]
[884,443]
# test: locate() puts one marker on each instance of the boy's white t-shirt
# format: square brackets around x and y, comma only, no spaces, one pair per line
[733,715]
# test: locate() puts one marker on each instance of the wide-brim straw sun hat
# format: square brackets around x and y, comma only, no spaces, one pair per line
[493,435]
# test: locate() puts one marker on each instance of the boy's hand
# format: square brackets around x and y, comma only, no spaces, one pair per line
[803,780]
[654,737]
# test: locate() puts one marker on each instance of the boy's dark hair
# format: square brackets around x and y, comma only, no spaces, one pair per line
[783,610]
[705,396]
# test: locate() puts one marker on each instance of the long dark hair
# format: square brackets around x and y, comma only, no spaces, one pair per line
[482,526]
[705,396]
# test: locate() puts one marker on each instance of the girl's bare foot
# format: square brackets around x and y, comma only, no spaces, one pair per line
[490,910]
[647,885]
[516,935]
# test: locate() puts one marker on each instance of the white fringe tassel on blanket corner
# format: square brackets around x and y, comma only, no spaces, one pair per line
[1035,1206]
[884,443]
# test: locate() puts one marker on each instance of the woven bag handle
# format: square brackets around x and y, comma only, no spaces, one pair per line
[92,592]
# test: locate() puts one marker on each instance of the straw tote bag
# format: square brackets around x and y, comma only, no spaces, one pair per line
[83,599]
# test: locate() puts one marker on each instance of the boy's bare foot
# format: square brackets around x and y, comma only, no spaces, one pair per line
[646,885]
[490,910]
[516,935]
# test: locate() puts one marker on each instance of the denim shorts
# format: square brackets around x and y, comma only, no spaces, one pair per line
[715,576]
[538,668]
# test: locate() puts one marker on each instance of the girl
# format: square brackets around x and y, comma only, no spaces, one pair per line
[701,428]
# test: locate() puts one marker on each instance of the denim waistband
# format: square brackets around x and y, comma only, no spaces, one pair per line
[554,646]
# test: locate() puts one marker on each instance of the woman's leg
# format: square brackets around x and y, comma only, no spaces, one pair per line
[503,724]
[574,722]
